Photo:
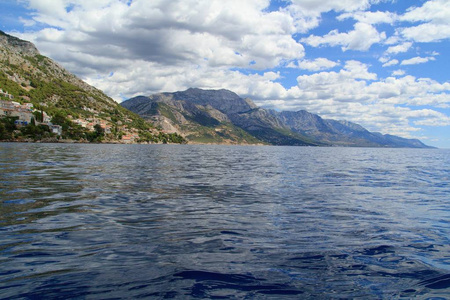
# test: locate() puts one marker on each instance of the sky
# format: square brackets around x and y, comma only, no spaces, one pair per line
[383,64]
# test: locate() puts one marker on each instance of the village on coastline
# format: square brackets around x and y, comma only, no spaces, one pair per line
[25,114]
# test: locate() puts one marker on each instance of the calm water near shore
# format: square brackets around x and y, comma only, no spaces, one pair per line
[224,222]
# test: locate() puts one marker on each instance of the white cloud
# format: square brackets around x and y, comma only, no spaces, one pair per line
[428,117]
[417,60]
[231,33]
[437,11]
[398,73]
[394,39]
[370,17]
[383,59]
[27,22]
[361,38]
[358,70]
[55,8]
[328,5]
[318,64]
[303,20]
[427,32]
[307,13]
[435,15]
[399,48]
[392,62]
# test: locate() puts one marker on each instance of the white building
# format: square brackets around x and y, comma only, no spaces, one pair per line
[15,109]
[57,129]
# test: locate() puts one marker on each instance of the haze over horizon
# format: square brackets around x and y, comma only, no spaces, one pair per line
[379,63]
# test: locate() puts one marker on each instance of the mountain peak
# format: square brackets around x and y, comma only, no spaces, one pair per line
[13,43]
[210,92]
[223,100]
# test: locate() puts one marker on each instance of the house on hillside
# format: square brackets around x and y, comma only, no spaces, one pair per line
[81,122]
[46,118]
[24,115]
[24,112]
[90,126]
[130,138]
[127,139]
[107,129]
[28,106]
[6,107]
[57,129]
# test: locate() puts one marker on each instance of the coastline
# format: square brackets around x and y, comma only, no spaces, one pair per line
[67,141]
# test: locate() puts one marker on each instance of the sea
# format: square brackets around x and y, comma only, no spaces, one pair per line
[98,221]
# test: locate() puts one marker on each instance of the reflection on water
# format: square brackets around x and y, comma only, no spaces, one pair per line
[125,221]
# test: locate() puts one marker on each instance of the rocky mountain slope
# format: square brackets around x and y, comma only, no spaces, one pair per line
[26,76]
[208,116]
[221,116]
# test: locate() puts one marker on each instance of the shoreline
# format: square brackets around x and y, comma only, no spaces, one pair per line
[65,141]
[193,143]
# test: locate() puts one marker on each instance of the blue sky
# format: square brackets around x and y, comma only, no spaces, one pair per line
[379,63]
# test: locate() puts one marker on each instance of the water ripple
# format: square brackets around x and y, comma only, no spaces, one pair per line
[161,221]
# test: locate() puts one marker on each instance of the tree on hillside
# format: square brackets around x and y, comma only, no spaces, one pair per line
[7,127]
[39,116]
[99,130]
[3,131]
[60,119]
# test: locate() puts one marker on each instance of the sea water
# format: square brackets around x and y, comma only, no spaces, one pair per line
[224,222]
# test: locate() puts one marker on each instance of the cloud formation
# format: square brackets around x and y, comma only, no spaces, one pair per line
[416,60]
[361,38]
[435,18]
[392,62]
[404,47]
[317,64]
[369,17]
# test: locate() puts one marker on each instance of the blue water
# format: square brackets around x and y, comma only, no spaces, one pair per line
[223,222]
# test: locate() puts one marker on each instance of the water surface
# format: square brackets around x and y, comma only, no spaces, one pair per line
[162,221]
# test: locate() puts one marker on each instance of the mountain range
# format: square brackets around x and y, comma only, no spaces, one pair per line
[221,116]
